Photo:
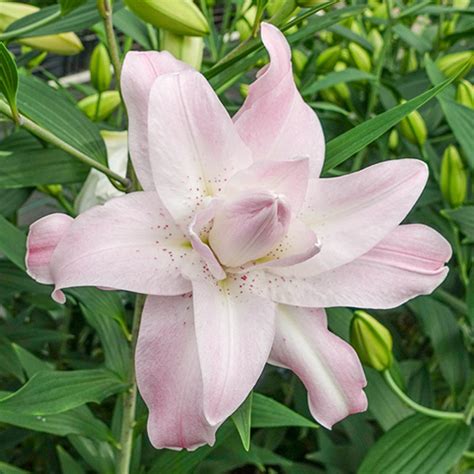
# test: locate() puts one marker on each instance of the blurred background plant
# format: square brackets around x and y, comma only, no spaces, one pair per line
[364,67]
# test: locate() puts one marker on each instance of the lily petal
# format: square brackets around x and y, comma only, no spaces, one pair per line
[352,213]
[129,243]
[274,121]
[327,365]
[168,374]
[409,262]
[193,141]
[234,331]
[139,71]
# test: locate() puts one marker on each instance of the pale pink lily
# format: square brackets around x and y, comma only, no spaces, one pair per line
[235,239]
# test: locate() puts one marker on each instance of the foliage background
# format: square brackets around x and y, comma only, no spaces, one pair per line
[54,426]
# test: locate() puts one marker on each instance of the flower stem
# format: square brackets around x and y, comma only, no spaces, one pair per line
[49,137]
[130,397]
[417,407]
[106,12]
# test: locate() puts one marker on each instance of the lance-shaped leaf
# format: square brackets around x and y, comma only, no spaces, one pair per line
[8,79]
[68,6]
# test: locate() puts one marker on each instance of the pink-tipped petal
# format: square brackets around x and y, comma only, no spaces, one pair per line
[274,121]
[130,243]
[140,69]
[193,142]
[234,331]
[409,262]
[289,178]
[43,238]
[249,226]
[168,374]
[327,365]
[199,222]
[352,213]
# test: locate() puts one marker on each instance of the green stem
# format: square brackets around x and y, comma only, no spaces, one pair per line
[212,30]
[107,12]
[459,254]
[455,303]
[33,26]
[65,204]
[417,407]
[49,137]
[130,397]
[97,106]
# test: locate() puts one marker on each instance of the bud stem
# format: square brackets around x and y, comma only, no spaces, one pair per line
[417,407]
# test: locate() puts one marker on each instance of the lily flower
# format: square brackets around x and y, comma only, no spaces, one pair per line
[239,244]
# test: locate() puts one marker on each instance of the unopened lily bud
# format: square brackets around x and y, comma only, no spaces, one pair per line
[360,57]
[299,60]
[372,341]
[409,61]
[465,93]
[108,102]
[393,140]
[183,17]
[187,48]
[65,44]
[380,11]
[341,89]
[101,75]
[328,58]
[413,128]
[248,227]
[244,90]
[245,24]
[453,177]
[461,3]
[376,40]
[357,28]
[451,64]
[51,189]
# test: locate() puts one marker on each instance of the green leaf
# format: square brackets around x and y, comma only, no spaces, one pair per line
[351,36]
[470,297]
[9,362]
[349,143]
[9,469]
[8,78]
[418,445]
[12,243]
[242,419]
[99,456]
[14,280]
[440,325]
[68,464]
[333,78]
[268,413]
[132,26]
[51,110]
[103,310]
[68,6]
[78,421]
[30,363]
[417,42]
[51,166]
[464,218]
[52,392]
[11,200]
[459,117]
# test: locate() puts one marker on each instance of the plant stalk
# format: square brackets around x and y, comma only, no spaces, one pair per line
[107,12]
[49,137]
[416,406]
[130,397]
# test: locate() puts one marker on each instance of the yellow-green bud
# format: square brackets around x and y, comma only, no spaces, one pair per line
[244,90]
[409,61]
[342,89]
[413,128]
[326,61]
[51,189]
[461,3]
[453,177]
[380,11]
[360,57]
[64,43]
[376,40]
[299,60]
[465,93]
[187,48]
[357,28]
[183,17]
[372,341]
[393,140]
[99,66]
[451,64]
[330,95]
[245,24]
[109,101]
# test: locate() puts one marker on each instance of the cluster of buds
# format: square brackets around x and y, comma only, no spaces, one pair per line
[65,44]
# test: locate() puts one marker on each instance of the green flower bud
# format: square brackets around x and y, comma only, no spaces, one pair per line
[413,128]
[109,101]
[372,341]
[329,95]
[376,40]
[99,66]
[299,60]
[245,24]
[342,89]
[357,28]
[360,57]
[453,177]
[461,3]
[183,17]
[51,189]
[409,61]
[451,64]
[65,44]
[244,90]
[187,48]
[393,140]
[380,11]
[326,61]
[465,93]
